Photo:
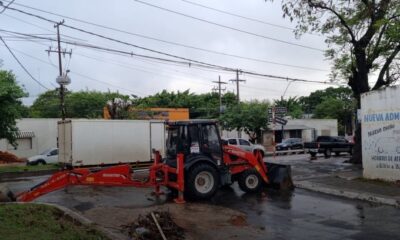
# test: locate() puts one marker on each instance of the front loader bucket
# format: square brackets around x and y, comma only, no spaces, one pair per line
[6,195]
[280,176]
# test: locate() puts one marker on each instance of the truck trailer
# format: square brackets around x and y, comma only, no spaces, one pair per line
[84,142]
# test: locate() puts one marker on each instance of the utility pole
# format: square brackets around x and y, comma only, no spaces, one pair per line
[62,79]
[220,89]
[237,80]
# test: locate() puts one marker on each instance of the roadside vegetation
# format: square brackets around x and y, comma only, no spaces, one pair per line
[25,168]
[33,221]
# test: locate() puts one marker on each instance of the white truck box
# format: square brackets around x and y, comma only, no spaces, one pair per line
[84,142]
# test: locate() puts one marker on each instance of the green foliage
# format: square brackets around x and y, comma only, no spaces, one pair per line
[363,37]
[310,102]
[47,105]
[335,108]
[82,104]
[292,105]
[11,105]
[200,105]
[28,168]
[89,104]
[34,221]
[333,103]
[250,117]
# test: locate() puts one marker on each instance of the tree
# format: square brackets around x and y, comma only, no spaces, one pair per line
[89,104]
[200,105]
[82,104]
[337,103]
[309,103]
[363,37]
[10,102]
[337,109]
[47,105]
[292,105]
[251,117]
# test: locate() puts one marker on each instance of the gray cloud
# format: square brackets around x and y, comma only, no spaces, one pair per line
[145,77]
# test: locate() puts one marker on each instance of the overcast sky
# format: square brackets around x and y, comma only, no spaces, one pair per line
[95,70]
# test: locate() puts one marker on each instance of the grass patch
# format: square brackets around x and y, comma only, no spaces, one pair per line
[41,222]
[24,168]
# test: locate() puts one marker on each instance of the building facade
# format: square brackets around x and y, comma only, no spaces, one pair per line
[35,136]
[306,129]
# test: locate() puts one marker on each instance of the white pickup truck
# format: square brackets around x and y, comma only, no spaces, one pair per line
[245,145]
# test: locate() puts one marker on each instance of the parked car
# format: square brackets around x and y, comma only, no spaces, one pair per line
[245,144]
[48,156]
[329,144]
[289,144]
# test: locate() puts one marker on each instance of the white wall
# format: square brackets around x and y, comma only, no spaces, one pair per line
[321,126]
[45,130]
[380,120]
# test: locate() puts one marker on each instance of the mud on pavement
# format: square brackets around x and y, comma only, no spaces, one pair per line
[199,221]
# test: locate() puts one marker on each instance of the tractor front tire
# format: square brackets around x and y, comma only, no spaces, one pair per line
[250,181]
[201,182]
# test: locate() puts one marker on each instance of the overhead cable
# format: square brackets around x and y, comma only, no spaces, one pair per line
[175,43]
[228,27]
[188,62]
[22,66]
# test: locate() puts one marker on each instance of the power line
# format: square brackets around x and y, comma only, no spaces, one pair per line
[22,66]
[189,62]
[5,7]
[228,27]
[174,43]
[40,27]
[78,74]
[239,16]
[145,60]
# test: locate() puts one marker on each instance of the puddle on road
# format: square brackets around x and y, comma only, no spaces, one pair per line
[306,215]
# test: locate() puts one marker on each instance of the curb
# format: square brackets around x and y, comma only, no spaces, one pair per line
[79,218]
[348,194]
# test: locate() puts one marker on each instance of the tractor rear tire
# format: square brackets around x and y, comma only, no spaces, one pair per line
[250,181]
[201,182]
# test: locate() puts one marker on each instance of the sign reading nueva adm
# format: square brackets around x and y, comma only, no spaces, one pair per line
[380,119]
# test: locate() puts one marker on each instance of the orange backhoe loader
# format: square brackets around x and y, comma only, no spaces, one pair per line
[196,164]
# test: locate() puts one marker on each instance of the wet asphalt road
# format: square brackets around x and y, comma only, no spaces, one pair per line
[297,215]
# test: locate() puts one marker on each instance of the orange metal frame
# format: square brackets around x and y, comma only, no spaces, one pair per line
[120,175]
[235,158]
[239,160]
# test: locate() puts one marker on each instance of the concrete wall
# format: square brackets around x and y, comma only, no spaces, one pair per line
[320,126]
[380,120]
[45,130]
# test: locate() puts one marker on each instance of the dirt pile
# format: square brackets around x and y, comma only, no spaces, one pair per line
[6,157]
[145,227]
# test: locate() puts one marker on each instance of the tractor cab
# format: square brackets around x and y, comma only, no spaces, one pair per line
[194,138]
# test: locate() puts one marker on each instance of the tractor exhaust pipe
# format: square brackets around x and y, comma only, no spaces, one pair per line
[6,195]
[280,176]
